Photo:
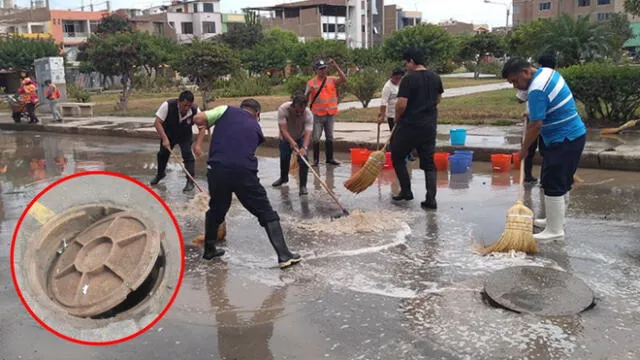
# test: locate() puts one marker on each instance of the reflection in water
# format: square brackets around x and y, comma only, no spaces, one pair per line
[237,338]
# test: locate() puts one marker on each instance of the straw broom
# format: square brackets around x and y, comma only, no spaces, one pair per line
[368,174]
[293,164]
[518,232]
[222,229]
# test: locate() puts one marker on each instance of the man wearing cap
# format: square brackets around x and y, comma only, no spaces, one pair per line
[295,121]
[233,168]
[174,124]
[322,95]
[553,115]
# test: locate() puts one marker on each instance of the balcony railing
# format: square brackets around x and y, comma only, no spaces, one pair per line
[76,34]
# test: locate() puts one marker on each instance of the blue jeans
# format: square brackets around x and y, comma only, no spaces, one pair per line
[285,158]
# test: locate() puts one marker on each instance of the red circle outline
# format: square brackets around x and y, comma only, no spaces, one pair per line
[121,176]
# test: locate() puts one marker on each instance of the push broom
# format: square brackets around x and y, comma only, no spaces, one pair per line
[518,232]
[368,174]
[222,229]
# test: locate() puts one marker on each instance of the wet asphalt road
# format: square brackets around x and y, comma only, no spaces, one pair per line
[411,293]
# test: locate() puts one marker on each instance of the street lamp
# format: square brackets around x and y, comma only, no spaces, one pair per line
[506,5]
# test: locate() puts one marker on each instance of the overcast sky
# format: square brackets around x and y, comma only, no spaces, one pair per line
[475,11]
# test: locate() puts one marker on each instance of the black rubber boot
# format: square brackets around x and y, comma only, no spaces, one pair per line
[162,167]
[329,151]
[210,237]
[303,174]
[285,257]
[157,179]
[191,168]
[403,195]
[284,174]
[431,181]
[316,154]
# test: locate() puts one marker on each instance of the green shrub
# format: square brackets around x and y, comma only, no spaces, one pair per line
[610,93]
[243,86]
[493,68]
[364,84]
[79,94]
[447,67]
[296,83]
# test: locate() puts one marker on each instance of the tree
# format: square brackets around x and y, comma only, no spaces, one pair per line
[618,31]
[365,57]
[306,54]
[114,23]
[436,43]
[274,51]
[364,84]
[121,53]
[632,7]
[206,61]
[244,36]
[19,53]
[479,46]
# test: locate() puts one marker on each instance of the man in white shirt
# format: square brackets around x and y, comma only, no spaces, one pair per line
[390,97]
[174,124]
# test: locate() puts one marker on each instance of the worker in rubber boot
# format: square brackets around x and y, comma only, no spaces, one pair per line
[233,169]
[174,124]
[416,121]
[295,121]
[322,96]
[554,116]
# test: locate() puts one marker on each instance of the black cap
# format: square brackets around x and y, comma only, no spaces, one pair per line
[398,71]
[320,64]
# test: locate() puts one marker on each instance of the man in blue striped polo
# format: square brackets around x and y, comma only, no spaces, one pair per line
[554,116]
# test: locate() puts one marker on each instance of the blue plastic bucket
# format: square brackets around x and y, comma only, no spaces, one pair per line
[466,153]
[458,164]
[458,136]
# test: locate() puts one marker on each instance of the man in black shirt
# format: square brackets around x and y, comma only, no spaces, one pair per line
[416,117]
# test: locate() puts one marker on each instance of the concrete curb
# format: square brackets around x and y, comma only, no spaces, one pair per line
[606,160]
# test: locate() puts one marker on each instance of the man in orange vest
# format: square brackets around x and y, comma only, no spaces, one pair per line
[30,98]
[53,95]
[322,95]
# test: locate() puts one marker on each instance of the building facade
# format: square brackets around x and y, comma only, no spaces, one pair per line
[525,11]
[397,19]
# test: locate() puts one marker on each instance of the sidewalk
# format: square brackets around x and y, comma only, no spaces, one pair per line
[619,152]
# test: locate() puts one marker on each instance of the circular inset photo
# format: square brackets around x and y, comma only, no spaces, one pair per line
[97,258]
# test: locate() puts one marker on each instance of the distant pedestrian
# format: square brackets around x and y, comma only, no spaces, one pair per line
[53,95]
[174,124]
[295,121]
[416,118]
[554,116]
[390,98]
[30,99]
[322,96]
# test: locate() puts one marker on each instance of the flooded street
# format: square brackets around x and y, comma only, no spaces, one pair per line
[409,289]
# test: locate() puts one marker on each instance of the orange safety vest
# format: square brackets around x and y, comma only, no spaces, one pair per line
[327,102]
[55,94]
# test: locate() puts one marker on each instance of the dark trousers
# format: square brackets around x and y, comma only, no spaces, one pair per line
[31,110]
[187,157]
[224,181]
[560,163]
[405,139]
[528,161]
[390,121]
[285,159]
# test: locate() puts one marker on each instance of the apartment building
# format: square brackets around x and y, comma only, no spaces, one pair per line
[357,23]
[525,11]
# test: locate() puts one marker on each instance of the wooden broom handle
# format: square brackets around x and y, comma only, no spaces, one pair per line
[175,157]
[333,196]
[384,148]
[521,186]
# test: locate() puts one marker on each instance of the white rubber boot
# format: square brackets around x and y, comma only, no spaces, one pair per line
[554,207]
[542,223]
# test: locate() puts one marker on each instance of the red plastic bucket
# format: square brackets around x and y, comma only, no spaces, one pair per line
[388,164]
[516,161]
[359,156]
[441,160]
[500,162]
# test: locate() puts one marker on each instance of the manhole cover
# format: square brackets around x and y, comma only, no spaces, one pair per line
[103,264]
[538,290]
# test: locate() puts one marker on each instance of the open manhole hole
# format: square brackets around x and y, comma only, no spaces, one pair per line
[96,262]
[539,291]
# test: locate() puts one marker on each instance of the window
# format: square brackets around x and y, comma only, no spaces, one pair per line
[93,25]
[545,6]
[207,7]
[604,2]
[195,7]
[208,27]
[583,3]
[516,9]
[342,28]
[179,10]
[187,27]
[158,28]
[603,16]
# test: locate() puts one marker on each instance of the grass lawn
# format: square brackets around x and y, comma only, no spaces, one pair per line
[450,83]
[494,107]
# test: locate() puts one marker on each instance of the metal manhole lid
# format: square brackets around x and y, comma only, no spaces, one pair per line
[539,290]
[104,263]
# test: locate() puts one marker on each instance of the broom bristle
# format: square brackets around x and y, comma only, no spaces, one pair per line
[368,174]
[518,232]
[222,232]
[293,164]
